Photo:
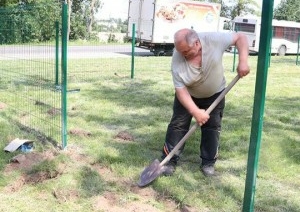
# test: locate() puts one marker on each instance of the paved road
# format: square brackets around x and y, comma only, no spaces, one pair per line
[35,52]
[31,52]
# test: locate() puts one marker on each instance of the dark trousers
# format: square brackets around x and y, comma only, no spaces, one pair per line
[210,131]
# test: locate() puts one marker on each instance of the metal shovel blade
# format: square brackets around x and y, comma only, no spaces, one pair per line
[150,173]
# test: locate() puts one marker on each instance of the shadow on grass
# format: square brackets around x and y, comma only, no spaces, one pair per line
[137,154]
[129,96]
[288,60]
[132,93]
[275,203]
[91,183]
[284,119]
[148,143]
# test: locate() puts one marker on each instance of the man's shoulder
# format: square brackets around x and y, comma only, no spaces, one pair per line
[214,35]
[215,38]
[177,57]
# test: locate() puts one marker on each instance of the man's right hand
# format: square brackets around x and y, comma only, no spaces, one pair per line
[185,98]
[201,116]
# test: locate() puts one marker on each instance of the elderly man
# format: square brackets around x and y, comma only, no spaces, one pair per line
[198,77]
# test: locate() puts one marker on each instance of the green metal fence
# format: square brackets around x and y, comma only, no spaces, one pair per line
[44,97]
[28,70]
[298,51]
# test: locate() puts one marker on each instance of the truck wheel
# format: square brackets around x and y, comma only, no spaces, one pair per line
[159,53]
[281,51]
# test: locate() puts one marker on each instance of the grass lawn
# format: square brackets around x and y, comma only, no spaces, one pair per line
[117,127]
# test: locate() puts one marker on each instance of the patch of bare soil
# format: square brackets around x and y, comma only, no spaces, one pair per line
[125,136]
[2,106]
[24,162]
[53,111]
[112,202]
[80,132]
[65,195]
[130,198]
[142,198]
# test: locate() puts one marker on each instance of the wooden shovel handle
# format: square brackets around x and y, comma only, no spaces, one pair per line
[194,127]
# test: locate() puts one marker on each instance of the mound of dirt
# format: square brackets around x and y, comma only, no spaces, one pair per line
[109,201]
[124,135]
[25,162]
[80,132]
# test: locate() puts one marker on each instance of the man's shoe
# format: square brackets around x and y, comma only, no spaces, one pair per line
[169,169]
[208,170]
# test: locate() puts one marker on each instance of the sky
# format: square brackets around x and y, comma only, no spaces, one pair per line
[119,9]
[114,9]
[276,2]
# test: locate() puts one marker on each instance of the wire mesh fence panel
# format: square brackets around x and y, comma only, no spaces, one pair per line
[31,82]
[27,70]
[97,70]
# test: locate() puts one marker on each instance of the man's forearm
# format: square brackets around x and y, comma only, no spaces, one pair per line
[186,100]
[243,47]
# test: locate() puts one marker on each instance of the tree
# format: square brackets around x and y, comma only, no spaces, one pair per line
[288,10]
[225,10]
[233,8]
[244,7]
[91,10]
[82,13]
[4,3]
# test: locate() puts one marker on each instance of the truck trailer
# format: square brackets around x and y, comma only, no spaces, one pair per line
[156,21]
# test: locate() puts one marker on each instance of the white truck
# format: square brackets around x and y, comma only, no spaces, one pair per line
[156,21]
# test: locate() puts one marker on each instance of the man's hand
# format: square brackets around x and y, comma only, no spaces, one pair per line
[201,116]
[243,69]
[185,98]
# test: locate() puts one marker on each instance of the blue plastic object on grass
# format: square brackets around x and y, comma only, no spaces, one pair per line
[26,147]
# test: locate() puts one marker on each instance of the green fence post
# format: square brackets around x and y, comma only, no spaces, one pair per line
[234,58]
[132,50]
[56,52]
[270,49]
[258,106]
[297,59]
[234,54]
[64,73]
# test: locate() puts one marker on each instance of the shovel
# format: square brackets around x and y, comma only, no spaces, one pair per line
[156,168]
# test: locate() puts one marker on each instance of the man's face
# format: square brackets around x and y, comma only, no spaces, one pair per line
[189,52]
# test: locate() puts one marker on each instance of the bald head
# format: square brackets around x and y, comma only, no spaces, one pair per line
[187,43]
[185,36]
